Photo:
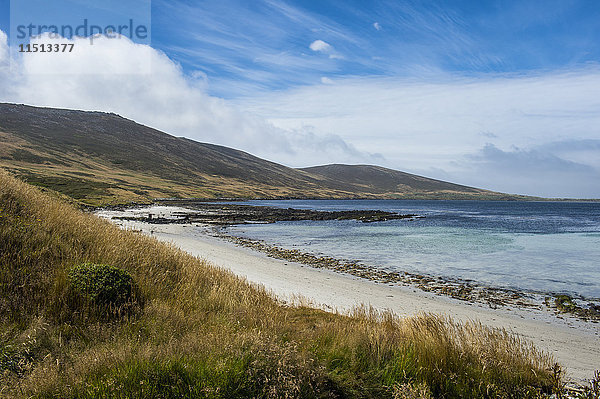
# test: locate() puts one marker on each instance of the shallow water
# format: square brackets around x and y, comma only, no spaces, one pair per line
[534,246]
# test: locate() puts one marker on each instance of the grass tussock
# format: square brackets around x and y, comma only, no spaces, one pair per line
[202,332]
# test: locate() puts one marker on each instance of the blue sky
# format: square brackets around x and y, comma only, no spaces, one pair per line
[266,43]
[495,94]
[244,46]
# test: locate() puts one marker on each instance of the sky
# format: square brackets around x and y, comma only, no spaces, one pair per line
[502,95]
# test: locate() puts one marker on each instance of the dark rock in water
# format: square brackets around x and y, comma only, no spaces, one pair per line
[225,214]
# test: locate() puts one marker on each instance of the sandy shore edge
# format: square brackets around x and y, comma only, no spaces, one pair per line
[574,344]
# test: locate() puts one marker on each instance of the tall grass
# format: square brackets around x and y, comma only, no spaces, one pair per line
[203,332]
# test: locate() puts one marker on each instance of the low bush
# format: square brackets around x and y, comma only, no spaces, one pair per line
[102,284]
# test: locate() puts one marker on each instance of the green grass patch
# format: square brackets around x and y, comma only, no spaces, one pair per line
[74,187]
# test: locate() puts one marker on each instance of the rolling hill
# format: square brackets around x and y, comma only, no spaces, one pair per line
[99,158]
[379,180]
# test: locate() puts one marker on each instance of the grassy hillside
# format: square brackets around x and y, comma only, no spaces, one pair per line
[97,156]
[102,158]
[193,330]
[391,183]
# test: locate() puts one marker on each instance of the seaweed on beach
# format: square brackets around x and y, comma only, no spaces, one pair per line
[226,214]
[567,304]
[462,290]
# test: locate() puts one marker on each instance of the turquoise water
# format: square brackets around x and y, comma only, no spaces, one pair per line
[545,247]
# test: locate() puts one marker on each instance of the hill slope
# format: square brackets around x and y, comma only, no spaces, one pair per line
[380,180]
[99,157]
[198,331]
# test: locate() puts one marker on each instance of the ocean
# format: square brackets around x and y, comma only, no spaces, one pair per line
[543,247]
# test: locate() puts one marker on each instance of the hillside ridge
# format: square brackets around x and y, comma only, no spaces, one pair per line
[100,158]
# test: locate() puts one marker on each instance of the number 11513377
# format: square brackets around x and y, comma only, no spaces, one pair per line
[46,48]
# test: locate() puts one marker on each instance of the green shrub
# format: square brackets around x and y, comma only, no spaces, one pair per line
[102,284]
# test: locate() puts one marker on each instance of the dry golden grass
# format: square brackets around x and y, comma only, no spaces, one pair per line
[98,184]
[204,332]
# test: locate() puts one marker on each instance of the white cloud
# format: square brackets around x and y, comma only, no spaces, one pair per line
[534,171]
[585,151]
[321,46]
[325,80]
[84,59]
[143,84]
[377,26]
[4,65]
[431,127]
[325,48]
[3,49]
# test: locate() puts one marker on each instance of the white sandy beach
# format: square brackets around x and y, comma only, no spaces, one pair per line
[574,344]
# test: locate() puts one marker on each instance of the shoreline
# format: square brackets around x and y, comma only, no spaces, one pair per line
[465,290]
[223,215]
[574,343]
